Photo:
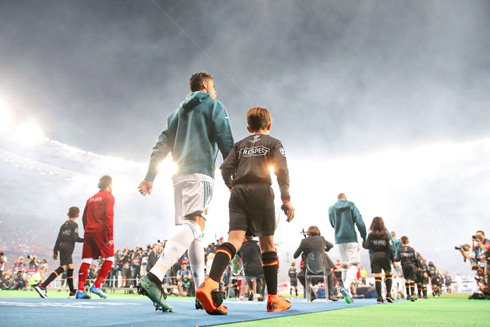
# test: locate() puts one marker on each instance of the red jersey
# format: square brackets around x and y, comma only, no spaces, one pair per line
[98,216]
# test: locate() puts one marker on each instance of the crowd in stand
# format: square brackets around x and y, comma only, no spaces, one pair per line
[131,264]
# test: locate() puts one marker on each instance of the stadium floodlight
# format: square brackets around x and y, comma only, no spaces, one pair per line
[29,134]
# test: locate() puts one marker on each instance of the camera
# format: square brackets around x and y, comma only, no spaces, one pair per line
[305,234]
[457,247]
[474,237]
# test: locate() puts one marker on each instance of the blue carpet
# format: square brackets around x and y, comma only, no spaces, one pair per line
[139,312]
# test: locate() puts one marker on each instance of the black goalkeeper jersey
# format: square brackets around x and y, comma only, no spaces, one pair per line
[407,256]
[250,159]
[68,233]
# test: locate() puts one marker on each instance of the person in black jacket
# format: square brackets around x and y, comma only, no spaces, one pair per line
[65,244]
[313,242]
[381,254]
[153,256]
[252,266]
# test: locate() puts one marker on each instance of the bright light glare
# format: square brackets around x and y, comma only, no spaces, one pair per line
[271,169]
[115,164]
[168,167]
[5,117]
[29,134]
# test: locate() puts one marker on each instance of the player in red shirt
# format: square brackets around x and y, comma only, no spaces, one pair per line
[98,222]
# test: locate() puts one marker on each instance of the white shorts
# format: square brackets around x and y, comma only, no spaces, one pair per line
[192,193]
[349,253]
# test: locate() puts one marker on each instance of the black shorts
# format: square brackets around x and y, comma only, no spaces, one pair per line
[66,251]
[379,262]
[251,209]
[410,272]
[293,282]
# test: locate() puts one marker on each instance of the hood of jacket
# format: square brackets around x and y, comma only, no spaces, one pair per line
[342,205]
[195,98]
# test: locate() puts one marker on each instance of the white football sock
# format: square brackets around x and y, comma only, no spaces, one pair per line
[176,246]
[351,276]
[196,257]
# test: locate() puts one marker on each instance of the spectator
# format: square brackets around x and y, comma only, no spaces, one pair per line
[184,281]
[5,279]
[447,282]
[153,256]
[363,276]
[19,264]
[32,266]
[3,263]
[17,282]
[136,259]
[316,242]
[125,259]
[252,267]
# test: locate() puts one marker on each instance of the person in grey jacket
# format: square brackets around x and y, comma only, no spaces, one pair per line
[194,134]
[316,242]
[344,217]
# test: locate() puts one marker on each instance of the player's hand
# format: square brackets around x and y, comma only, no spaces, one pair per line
[288,209]
[145,187]
[109,243]
[55,256]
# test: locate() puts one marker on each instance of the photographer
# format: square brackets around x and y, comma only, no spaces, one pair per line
[125,259]
[136,260]
[17,281]
[481,246]
[467,254]
[32,266]
[314,241]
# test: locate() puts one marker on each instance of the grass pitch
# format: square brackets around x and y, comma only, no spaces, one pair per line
[445,311]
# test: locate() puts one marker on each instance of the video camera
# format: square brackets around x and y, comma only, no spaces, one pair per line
[305,234]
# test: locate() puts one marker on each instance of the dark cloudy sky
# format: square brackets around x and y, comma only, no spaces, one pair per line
[343,76]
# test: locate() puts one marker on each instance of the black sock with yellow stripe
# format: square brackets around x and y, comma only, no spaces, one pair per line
[52,276]
[377,283]
[269,265]
[389,283]
[222,258]
[407,287]
[412,288]
[69,280]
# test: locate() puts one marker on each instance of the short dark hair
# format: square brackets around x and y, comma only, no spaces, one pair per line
[313,231]
[404,239]
[258,118]
[104,182]
[196,80]
[73,212]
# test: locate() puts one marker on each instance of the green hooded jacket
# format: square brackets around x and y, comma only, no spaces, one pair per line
[194,134]
[344,215]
